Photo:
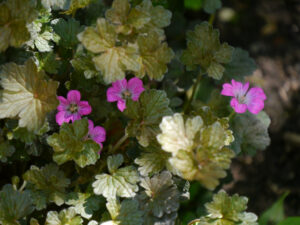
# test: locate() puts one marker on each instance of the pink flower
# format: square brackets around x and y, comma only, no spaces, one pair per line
[97,133]
[121,91]
[253,100]
[71,108]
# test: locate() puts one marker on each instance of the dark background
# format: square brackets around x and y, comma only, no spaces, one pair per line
[269,30]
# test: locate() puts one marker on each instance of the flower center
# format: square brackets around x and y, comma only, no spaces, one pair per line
[242,99]
[73,108]
[126,94]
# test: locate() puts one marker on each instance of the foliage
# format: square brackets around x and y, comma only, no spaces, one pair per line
[204,49]
[26,93]
[71,143]
[176,127]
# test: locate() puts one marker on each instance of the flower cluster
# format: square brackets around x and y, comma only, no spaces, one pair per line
[72,109]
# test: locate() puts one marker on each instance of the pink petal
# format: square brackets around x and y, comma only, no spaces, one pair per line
[91,125]
[84,108]
[238,108]
[113,94]
[73,96]
[63,103]
[121,105]
[120,85]
[227,90]
[255,106]
[61,118]
[254,93]
[135,86]
[75,116]
[238,88]
[99,134]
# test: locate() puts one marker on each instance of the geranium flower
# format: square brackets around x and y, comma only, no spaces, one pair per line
[71,108]
[122,90]
[97,133]
[253,100]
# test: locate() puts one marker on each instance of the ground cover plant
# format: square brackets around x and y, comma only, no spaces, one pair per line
[107,120]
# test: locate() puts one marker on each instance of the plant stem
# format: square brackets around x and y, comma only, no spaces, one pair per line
[211,19]
[119,143]
[231,115]
[23,186]
[194,221]
[193,93]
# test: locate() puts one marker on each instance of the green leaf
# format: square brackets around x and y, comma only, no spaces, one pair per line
[160,18]
[204,49]
[160,196]
[84,203]
[290,221]
[152,160]
[77,4]
[64,217]
[27,94]
[154,56]
[210,6]
[114,60]
[241,65]
[15,14]
[71,143]
[47,183]
[82,62]
[125,18]
[193,4]
[6,150]
[227,210]
[251,132]
[56,4]
[126,213]
[14,205]
[275,214]
[146,115]
[67,32]
[120,182]
[48,62]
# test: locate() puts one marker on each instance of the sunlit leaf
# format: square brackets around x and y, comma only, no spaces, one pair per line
[27,94]
[120,182]
[64,217]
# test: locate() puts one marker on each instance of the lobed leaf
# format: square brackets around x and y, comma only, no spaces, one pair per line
[71,143]
[120,182]
[14,205]
[146,115]
[26,93]
[204,49]
[47,184]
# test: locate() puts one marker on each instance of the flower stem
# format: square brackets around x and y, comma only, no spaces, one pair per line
[119,143]
[193,93]
[211,19]
[231,115]
[194,221]
[23,186]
